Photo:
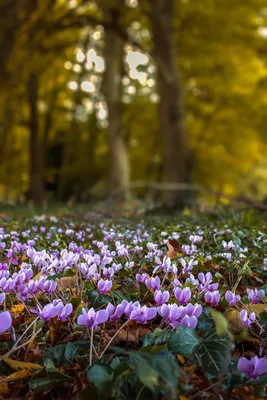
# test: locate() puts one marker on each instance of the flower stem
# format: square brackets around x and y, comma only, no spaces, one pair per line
[91,346]
[113,337]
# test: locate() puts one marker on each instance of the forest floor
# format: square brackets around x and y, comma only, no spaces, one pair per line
[109,306]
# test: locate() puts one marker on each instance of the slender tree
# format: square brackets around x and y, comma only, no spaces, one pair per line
[176,158]
[118,162]
[36,168]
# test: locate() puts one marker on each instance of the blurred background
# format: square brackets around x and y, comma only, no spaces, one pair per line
[164,101]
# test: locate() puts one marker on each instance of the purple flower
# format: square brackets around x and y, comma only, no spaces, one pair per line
[193,310]
[5,321]
[255,296]
[188,267]
[254,367]
[195,238]
[129,308]
[228,246]
[161,298]
[143,314]
[247,321]
[232,298]
[2,297]
[212,298]
[182,295]
[141,277]
[180,316]
[116,313]
[50,311]
[92,318]
[153,283]
[204,279]
[67,310]
[104,286]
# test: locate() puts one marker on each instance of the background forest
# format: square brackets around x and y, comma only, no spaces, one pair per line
[100,96]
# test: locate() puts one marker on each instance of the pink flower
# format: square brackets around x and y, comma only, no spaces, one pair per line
[254,367]
[5,321]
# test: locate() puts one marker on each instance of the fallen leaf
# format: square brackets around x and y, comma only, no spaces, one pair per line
[181,358]
[174,247]
[18,308]
[22,373]
[14,364]
[66,282]
[3,388]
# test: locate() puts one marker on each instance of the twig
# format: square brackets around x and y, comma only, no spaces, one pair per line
[113,337]
[210,387]
[91,346]
[19,347]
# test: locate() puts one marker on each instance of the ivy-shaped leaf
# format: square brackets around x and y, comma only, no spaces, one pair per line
[213,353]
[184,342]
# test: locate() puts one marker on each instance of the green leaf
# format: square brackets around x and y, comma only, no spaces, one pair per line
[261,380]
[145,372]
[213,353]
[184,342]
[221,322]
[46,383]
[119,296]
[101,376]
[62,353]
[96,299]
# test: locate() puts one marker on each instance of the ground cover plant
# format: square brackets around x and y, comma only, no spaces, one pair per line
[116,309]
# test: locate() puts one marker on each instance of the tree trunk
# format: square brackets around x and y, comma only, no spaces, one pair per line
[118,161]
[176,158]
[36,194]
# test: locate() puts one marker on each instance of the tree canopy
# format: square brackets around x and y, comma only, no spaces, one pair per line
[98,94]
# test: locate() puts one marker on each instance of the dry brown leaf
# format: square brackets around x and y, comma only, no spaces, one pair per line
[174,247]
[66,282]
[133,334]
[16,365]
[3,388]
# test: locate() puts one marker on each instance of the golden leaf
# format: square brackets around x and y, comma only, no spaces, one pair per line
[180,358]
[22,373]
[18,308]
[21,365]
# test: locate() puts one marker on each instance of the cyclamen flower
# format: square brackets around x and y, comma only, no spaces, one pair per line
[182,295]
[180,316]
[212,298]
[92,318]
[104,286]
[247,321]
[164,265]
[195,238]
[153,283]
[116,313]
[187,267]
[141,277]
[143,314]
[5,321]
[67,310]
[161,297]
[129,308]
[255,296]
[232,298]
[204,280]
[2,297]
[50,310]
[254,367]
[228,246]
